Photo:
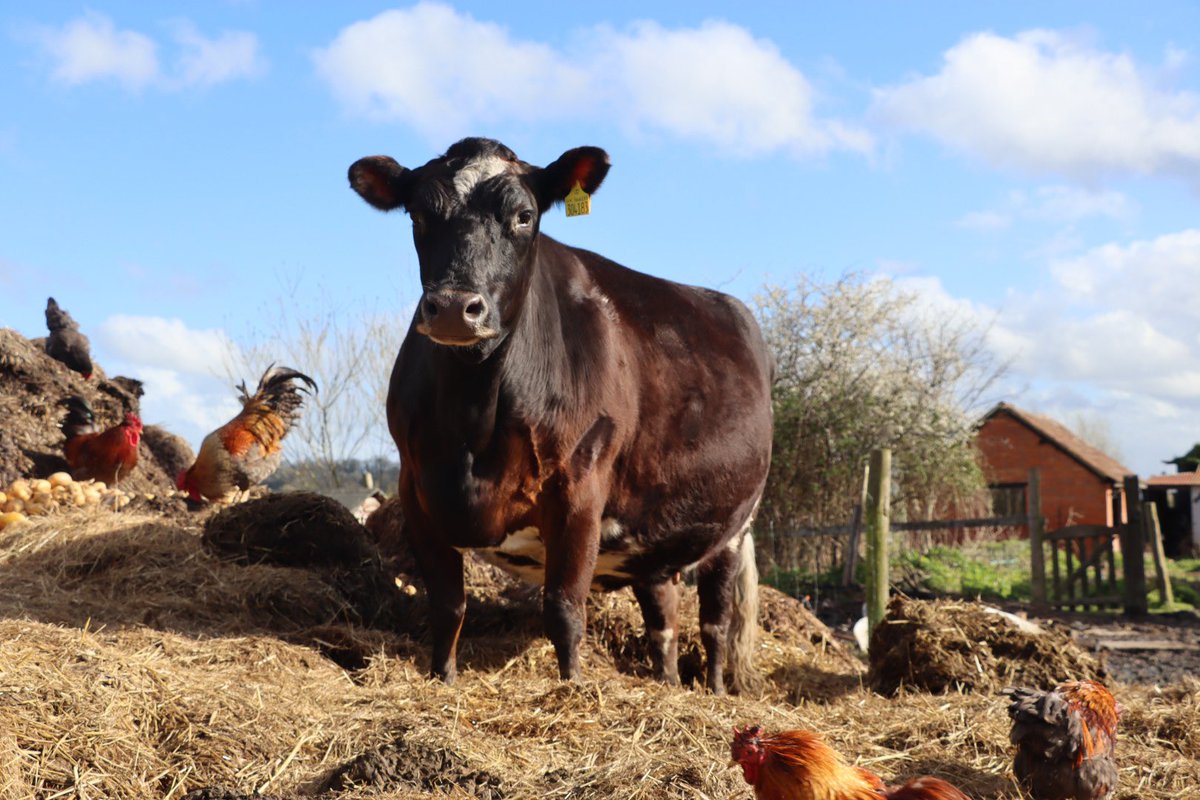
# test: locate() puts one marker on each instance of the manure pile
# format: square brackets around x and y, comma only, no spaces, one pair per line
[32,388]
[151,657]
[949,645]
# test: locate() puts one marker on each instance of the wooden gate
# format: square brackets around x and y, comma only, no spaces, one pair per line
[1083,564]
[1083,567]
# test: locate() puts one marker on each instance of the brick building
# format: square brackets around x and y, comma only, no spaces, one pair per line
[1078,481]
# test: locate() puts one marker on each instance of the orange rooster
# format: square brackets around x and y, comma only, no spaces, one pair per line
[799,765]
[104,456]
[1065,740]
[246,450]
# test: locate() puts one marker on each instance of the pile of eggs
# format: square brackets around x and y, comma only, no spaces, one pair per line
[40,496]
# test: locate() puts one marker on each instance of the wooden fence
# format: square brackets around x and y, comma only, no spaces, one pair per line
[1082,561]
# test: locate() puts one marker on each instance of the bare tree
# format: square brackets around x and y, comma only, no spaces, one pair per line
[349,354]
[860,365]
[1096,430]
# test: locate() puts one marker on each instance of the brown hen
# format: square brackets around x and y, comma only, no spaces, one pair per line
[65,343]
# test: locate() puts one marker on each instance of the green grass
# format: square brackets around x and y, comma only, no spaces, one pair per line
[1185,583]
[988,570]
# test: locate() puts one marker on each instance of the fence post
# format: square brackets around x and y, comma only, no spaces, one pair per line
[1154,533]
[1037,552]
[1133,550]
[876,513]
[850,564]
[856,523]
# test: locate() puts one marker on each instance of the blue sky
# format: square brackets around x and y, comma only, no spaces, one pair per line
[174,173]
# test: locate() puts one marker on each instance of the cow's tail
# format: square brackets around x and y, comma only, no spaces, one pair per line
[743,625]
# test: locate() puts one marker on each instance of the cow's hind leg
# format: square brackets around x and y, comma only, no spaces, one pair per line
[729,571]
[660,610]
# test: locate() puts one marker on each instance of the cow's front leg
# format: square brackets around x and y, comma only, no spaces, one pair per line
[660,610]
[442,570]
[570,562]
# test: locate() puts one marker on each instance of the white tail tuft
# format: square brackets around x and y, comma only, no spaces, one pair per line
[743,625]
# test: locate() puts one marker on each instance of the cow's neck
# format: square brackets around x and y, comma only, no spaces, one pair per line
[530,377]
[540,373]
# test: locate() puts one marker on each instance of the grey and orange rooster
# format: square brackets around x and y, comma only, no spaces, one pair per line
[799,765]
[246,450]
[1065,740]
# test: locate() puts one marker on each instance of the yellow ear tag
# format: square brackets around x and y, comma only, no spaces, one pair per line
[578,201]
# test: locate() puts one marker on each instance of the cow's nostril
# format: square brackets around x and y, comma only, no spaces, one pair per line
[429,308]
[474,309]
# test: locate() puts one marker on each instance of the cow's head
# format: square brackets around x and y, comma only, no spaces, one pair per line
[475,213]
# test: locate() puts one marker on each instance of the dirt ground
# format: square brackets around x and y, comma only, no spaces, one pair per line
[1155,650]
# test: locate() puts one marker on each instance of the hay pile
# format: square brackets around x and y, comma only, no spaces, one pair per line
[32,385]
[948,645]
[137,663]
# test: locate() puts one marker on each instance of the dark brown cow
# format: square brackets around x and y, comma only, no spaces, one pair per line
[576,422]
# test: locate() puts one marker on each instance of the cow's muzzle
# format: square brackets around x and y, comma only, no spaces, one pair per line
[454,317]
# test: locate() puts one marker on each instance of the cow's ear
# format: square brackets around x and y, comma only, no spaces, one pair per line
[380,181]
[586,166]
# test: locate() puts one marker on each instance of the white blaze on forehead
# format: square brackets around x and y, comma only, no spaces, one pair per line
[476,172]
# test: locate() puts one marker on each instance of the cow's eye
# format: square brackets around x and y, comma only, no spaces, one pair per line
[524,218]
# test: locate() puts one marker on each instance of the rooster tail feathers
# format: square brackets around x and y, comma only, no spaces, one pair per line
[743,625]
[276,377]
[277,392]
[79,407]
[80,417]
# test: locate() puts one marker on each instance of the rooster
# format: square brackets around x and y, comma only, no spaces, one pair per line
[246,450]
[799,765]
[100,455]
[65,343]
[1065,740]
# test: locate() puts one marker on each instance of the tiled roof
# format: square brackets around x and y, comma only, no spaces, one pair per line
[1091,457]
[1179,479]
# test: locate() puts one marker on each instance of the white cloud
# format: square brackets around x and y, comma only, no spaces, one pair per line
[205,62]
[985,221]
[444,73]
[167,344]
[715,83]
[1061,205]
[1068,204]
[1042,101]
[192,404]
[1159,278]
[91,48]
[1116,332]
